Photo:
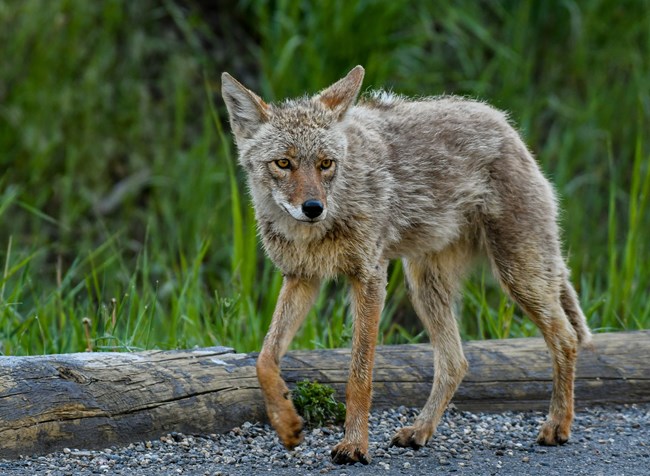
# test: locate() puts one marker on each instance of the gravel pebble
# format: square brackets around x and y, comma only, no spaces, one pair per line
[613,440]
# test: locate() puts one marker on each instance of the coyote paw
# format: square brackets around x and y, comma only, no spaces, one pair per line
[289,426]
[409,437]
[350,453]
[553,433]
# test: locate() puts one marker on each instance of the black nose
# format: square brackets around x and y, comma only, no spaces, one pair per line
[312,208]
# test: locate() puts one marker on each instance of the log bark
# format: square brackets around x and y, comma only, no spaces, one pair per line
[96,400]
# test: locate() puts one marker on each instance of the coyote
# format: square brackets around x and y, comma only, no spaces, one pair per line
[341,189]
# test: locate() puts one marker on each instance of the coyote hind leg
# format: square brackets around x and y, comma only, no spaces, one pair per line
[433,285]
[535,276]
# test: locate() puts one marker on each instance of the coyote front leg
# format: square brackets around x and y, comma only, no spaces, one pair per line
[296,298]
[368,300]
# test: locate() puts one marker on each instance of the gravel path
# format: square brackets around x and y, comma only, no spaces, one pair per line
[605,441]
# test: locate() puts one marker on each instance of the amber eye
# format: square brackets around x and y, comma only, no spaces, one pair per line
[283,163]
[325,164]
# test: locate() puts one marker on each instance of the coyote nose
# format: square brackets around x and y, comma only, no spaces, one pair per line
[312,208]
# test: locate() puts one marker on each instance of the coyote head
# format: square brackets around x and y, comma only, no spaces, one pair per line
[292,151]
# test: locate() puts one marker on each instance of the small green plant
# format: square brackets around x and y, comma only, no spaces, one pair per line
[316,404]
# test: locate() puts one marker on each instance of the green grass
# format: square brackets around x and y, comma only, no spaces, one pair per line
[121,200]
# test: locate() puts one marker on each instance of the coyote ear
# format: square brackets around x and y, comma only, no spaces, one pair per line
[342,94]
[246,109]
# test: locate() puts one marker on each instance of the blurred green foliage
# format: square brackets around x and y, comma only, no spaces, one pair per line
[121,200]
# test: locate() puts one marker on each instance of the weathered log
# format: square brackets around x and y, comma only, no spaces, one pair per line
[95,400]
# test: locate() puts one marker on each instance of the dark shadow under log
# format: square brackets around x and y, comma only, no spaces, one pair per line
[96,400]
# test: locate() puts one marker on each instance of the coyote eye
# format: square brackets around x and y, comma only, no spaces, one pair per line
[283,163]
[325,164]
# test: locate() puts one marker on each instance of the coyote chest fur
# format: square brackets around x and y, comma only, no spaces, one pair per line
[341,188]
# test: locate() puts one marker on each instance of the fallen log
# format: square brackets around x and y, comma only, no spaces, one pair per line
[95,400]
